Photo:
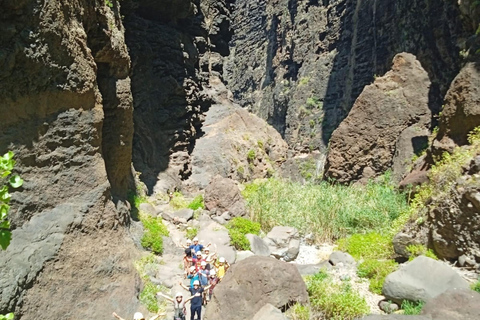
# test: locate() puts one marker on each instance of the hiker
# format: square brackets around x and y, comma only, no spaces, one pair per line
[203,278]
[196,303]
[212,281]
[197,262]
[187,260]
[210,257]
[137,316]
[221,266]
[178,305]
[197,247]
[189,244]
[192,275]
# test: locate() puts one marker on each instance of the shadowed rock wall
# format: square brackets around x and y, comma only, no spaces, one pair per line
[66,112]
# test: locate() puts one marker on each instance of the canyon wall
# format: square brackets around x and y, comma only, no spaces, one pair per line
[301,64]
[66,112]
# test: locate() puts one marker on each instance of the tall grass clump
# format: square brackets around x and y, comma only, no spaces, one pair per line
[335,300]
[476,286]
[148,295]
[237,229]
[328,211]
[412,308]
[298,312]
[196,203]
[154,230]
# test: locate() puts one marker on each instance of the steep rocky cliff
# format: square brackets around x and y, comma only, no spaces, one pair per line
[66,111]
[302,64]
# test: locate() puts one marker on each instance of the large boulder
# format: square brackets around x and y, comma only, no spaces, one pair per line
[421,280]
[461,112]
[252,283]
[222,194]
[339,257]
[258,246]
[364,144]
[217,235]
[283,243]
[269,312]
[454,304]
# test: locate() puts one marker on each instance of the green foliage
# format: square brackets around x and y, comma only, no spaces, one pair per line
[442,177]
[7,181]
[154,230]
[376,271]
[303,81]
[237,229]
[197,203]
[314,102]
[476,286]
[420,250]
[338,301]
[178,201]
[298,312]
[8,316]
[191,233]
[412,308]
[109,3]
[372,245]
[251,155]
[328,211]
[148,294]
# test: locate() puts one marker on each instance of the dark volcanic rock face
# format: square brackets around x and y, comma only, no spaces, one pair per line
[390,113]
[173,56]
[302,64]
[66,110]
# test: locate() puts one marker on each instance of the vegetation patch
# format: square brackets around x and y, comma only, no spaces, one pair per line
[251,155]
[154,230]
[376,271]
[237,229]
[476,286]
[191,233]
[412,308]
[178,201]
[328,211]
[420,250]
[371,245]
[148,295]
[335,300]
[298,312]
[197,203]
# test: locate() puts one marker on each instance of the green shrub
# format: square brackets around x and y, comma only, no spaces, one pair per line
[337,301]
[154,230]
[7,181]
[148,297]
[191,233]
[476,286]
[412,308]
[178,201]
[8,316]
[376,271]
[419,250]
[251,155]
[237,229]
[196,203]
[328,211]
[298,312]
[368,246]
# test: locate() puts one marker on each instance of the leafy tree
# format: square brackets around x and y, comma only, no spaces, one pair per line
[7,180]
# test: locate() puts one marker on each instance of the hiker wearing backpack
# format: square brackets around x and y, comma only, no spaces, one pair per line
[196,303]
[179,303]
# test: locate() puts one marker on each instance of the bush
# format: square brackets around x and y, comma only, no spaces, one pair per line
[251,155]
[328,211]
[420,250]
[148,295]
[178,201]
[476,286]
[412,308]
[335,300]
[197,203]
[154,230]
[191,233]
[298,312]
[237,229]
[368,246]
[376,271]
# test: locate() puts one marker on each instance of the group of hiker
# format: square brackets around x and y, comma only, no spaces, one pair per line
[204,270]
